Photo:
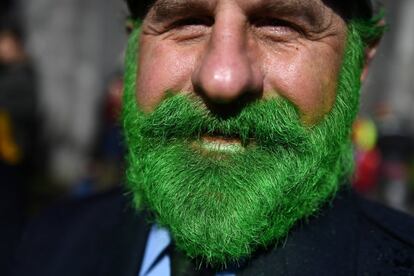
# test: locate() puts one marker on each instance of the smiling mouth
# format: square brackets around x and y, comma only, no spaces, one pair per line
[219,144]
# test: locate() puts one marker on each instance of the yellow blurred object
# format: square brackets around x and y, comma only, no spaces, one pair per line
[9,150]
[365,134]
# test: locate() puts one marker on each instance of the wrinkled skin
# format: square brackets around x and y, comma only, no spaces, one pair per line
[230,52]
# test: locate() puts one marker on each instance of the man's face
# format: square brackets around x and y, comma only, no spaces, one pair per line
[237,117]
[229,52]
[10,49]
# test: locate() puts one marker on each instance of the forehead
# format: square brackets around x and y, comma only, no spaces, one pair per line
[245,4]
[315,12]
[346,9]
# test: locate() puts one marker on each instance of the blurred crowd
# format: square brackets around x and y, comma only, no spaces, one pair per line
[27,184]
[384,145]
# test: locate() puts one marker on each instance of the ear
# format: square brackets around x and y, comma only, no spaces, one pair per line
[129,26]
[370,53]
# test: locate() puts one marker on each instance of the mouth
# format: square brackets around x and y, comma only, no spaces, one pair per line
[219,144]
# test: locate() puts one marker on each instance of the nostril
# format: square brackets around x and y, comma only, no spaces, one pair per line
[227,109]
[224,84]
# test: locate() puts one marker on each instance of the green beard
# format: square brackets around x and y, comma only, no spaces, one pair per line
[220,206]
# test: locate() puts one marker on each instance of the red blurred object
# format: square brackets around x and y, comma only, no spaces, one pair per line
[113,103]
[367,170]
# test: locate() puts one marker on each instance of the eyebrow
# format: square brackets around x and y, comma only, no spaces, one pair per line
[166,9]
[309,10]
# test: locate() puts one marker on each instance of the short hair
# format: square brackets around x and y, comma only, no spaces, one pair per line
[139,8]
[348,9]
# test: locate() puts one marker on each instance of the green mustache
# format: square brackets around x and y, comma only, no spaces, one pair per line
[272,125]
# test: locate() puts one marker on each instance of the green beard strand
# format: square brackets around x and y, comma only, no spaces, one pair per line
[220,207]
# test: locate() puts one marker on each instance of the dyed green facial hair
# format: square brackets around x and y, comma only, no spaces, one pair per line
[222,206]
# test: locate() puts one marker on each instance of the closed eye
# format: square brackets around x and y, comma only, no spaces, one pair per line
[276,23]
[194,21]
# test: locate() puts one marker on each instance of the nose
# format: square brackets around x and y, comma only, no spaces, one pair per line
[226,77]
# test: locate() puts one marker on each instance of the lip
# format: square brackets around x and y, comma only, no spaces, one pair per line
[220,144]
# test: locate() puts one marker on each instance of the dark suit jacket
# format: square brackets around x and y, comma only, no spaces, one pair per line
[104,236]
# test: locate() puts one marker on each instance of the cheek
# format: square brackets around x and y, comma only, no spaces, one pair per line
[161,69]
[308,79]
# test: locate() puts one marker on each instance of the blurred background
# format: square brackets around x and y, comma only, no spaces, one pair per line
[60,89]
